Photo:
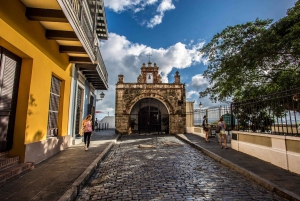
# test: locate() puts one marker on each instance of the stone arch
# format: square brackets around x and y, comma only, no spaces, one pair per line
[149,115]
[130,104]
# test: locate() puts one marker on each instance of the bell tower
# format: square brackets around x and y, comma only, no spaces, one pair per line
[149,74]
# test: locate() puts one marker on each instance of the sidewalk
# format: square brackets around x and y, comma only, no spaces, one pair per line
[283,182]
[59,177]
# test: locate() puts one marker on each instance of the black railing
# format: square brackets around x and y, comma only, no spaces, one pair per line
[277,113]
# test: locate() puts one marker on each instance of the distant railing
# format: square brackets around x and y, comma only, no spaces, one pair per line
[213,114]
[277,113]
[101,126]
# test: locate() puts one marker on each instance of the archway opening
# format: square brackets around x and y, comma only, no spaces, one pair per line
[149,116]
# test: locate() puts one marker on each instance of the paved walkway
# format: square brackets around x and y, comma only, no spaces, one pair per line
[276,179]
[163,167]
[62,175]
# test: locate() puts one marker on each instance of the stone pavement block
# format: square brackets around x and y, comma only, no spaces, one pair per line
[270,176]
[173,177]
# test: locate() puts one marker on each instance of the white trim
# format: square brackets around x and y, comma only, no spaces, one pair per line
[71,105]
[81,78]
[83,96]
[92,89]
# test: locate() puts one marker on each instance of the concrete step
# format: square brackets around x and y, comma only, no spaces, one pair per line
[8,161]
[14,172]
[4,153]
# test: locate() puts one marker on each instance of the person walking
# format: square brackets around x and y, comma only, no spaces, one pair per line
[205,128]
[96,124]
[88,129]
[221,123]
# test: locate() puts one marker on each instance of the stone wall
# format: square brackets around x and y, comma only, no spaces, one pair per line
[171,95]
[282,151]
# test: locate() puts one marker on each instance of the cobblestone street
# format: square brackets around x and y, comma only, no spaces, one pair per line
[165,168]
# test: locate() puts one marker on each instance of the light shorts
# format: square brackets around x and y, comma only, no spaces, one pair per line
[222,132]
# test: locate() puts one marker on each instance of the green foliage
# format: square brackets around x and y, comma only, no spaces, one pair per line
[254,118]
[255,58]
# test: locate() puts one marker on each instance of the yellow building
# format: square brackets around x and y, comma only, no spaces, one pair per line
[46,46]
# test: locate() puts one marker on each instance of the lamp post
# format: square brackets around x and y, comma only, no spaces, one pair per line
[101,96]
[200,107]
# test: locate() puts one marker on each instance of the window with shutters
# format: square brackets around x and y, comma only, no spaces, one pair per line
[54,107]
[10,66]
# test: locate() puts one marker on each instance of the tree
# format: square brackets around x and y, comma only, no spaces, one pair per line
[255,58]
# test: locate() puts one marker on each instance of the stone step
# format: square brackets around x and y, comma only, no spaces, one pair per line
[4,153]
[8,161]
[15,172]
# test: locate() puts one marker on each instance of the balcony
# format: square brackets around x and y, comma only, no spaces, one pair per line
[95,73]
[77,26]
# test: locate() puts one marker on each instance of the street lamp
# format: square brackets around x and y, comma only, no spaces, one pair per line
[200,106]
[101,96]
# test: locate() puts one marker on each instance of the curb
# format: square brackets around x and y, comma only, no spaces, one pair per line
[250,175]
[77,186]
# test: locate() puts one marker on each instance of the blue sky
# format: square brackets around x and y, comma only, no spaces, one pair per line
[172,31]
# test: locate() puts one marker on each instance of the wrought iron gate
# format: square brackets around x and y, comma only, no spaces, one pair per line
[149,116]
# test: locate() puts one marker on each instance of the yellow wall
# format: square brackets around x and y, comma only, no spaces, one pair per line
[40,59]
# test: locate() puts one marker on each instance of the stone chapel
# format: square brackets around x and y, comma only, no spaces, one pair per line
[150,106]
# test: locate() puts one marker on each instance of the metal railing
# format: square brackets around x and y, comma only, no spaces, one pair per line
[101,126]
[84,18]
[277,113]
[101,65]
[213,114]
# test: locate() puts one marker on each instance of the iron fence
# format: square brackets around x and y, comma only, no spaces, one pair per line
[277,113]
[213,114]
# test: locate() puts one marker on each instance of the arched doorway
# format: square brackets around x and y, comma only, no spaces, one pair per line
[149,116]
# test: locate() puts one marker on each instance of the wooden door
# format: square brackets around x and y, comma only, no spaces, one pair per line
[79,104]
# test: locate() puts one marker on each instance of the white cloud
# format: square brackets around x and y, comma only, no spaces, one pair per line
[190,93]
[164,6]
[121,5]
[157,19]
[137,6]
[198,81]
[124,57]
